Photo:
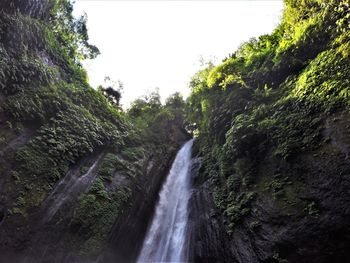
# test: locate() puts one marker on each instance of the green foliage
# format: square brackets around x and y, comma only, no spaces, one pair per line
[147,105]
[158,124]
[94,205]
[23,61]
[45,95]
[96,103]
[71,33]
[36,163]
[95,214]
[108,166]
[35,104]
[238,206]
[44,88]
[35,176]
[73,134]
[112,91]
[268,101]
[58,144]
[325,78]
[277,186]
[175,101]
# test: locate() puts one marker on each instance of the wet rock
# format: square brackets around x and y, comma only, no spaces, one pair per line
[316,230]
[208,240]
[129,231]
[2,213]
[33,8]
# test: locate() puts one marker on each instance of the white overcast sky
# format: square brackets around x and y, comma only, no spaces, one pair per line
[149,44]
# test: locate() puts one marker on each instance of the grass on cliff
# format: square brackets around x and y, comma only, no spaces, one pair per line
[268,101]
[44,92]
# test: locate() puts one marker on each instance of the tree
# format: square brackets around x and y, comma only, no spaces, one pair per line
[175,101]
[147,104]
[112,90]
[72,33]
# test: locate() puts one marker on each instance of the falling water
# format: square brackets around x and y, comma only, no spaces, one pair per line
[166,237]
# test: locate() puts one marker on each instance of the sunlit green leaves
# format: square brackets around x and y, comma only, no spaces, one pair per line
[270,98]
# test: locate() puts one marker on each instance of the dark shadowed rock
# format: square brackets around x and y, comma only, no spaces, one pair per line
[130,229]
[34,8]
[208,241]
[310,225]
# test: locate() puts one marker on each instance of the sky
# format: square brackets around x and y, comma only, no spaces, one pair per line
[159,44]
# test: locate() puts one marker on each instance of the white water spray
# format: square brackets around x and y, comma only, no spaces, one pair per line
[166,238]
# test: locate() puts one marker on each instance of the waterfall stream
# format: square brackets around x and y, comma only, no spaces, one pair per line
[166,237]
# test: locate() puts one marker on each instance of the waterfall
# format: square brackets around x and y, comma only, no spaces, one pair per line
[166,237]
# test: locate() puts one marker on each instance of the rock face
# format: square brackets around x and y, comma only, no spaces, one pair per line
[208,240]
[41,236]
[127,236]
[309,224]
[71,161]
[48,240]
[34,8]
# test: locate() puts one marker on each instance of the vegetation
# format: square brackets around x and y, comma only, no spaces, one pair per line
[95,214]
[158,123]
[268,101]
[46,90]
[263,105]
[62,124]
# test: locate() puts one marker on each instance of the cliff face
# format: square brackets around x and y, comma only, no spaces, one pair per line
[308,221]
[60,140]
[32,8]
[71,160]
[127,236]
[208,240]
[271,168]
[273,141]
[67,235]
[304,219]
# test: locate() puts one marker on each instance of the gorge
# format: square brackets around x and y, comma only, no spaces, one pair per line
[265,180]
[166,238]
